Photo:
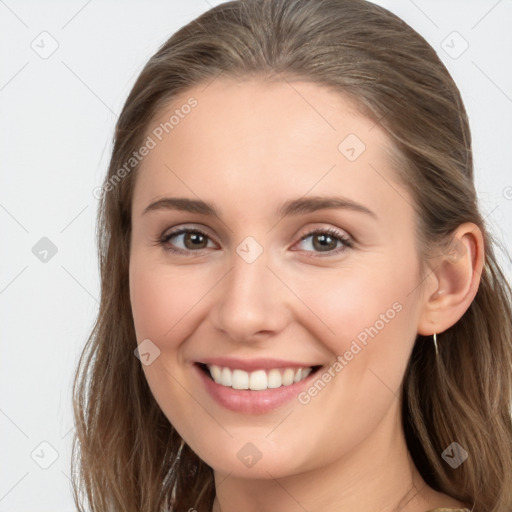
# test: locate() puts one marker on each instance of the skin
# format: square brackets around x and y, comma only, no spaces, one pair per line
[247,147]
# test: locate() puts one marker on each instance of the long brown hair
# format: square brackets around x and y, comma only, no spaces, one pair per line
[127,454]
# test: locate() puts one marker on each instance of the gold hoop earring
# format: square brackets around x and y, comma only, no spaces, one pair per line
[435,343]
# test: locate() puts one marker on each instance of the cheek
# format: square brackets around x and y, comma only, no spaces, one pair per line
[161,298]
[367,318]
[163,305]
[360,303]
[373,317]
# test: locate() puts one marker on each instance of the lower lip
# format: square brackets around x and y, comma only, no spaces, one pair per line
[248,401]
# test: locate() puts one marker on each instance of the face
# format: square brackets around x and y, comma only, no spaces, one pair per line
[278,279]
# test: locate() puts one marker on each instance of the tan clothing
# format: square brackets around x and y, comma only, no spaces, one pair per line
[449,510]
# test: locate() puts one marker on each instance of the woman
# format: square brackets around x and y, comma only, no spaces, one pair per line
[301,308]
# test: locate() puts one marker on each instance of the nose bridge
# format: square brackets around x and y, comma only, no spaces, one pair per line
[251,297]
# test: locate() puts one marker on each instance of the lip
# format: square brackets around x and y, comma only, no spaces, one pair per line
[250,365]
[247,401]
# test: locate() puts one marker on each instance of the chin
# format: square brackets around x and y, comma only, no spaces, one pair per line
[258,459]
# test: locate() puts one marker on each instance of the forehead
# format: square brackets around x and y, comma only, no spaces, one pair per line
[304,116]
[251,142]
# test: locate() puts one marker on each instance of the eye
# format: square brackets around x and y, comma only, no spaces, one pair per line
[328,241]
[192,240]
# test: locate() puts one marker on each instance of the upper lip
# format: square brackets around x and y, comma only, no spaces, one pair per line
[250,365]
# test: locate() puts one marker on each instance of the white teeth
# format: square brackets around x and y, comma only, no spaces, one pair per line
[306,372]
[225,378]
[216,373]
[259,379]
[288,376]
[240,379]
[274,379]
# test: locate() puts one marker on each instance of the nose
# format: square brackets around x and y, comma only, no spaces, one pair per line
[252,303]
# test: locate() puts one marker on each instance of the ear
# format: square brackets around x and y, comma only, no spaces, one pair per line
[453,281]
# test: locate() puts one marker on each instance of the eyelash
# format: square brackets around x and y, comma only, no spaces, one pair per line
[338,235]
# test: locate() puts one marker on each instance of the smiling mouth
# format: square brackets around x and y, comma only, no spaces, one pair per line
[257,380]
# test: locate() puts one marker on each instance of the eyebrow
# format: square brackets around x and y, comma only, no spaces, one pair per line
[292,207]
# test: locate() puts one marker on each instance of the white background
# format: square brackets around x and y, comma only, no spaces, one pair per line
[57,120]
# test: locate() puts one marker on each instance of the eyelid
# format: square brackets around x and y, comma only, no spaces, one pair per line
[338,232]
[185,228]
